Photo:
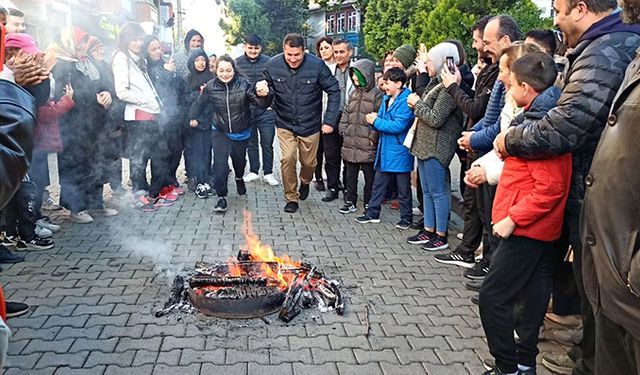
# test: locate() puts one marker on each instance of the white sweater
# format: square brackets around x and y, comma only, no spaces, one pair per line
[133,87]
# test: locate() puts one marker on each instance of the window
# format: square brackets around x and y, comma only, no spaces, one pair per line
[331,24]
[341,23]
[353,22]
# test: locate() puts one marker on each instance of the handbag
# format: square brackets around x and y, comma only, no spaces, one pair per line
[411,134]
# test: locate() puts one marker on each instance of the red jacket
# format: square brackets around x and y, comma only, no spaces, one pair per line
[534,193]
[47,133]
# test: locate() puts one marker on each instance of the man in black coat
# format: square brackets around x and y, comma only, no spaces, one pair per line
[250,66]
[601,48]
[297,80]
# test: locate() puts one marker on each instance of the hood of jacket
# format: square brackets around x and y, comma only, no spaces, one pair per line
[543,103]
[610,24]
[190,35]
[365,69]
[196,78]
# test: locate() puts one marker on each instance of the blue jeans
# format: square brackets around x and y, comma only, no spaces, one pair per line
[436,194]
[263,125]
[380,183]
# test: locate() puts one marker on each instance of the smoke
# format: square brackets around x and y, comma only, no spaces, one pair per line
[159,253]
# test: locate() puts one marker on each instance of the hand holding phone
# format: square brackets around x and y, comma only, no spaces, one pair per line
[451,65]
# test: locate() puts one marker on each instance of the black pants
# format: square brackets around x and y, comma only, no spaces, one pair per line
[320,159]
[585,364]
[173,135]
[333,158]
[226,148]
[381,182]
[472,231]
[199,145]
[520,274]
[20,215]
[262,136]
[39,174]
[147,144]
[485,195]
[617,352]
[351,183]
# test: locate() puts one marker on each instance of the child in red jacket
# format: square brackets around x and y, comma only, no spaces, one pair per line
[528,212]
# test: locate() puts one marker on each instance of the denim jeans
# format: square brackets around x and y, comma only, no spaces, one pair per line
[436,194]
[264,128]
[381,181]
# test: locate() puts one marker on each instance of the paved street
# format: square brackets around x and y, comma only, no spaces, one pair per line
[93,295]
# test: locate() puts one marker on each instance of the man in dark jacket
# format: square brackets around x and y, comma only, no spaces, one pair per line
[297,80]
[474,107]
[192,41]
[250,66]
[610,225]
[602,47]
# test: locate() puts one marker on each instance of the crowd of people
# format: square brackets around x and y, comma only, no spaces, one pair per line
[540,124]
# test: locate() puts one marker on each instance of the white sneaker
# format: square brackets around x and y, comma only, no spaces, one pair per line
[460,236]
[109,212]
[251,177]
[270,179]
[45,223]
[43,232]
[416,211]
[81,217]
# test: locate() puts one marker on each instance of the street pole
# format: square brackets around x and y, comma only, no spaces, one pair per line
[179,22]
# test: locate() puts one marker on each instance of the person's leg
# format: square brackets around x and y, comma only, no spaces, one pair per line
[267,130]
[25,214]
[369,173]
[319,159]
[332,149]
[160,163]
[136,152]
[252,149]
[405,196]
[419,192]
[176,146]
[510,272]
[440,194]
[490,242]
[617,352]
[428,210]
[238,152]
[288,163]
[380,183]
[39,174]
[351,182]
[222,145]
[307,151]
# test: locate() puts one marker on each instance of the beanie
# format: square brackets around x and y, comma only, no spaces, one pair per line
[406,54]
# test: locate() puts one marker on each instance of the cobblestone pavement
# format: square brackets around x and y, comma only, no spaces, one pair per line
[92,297]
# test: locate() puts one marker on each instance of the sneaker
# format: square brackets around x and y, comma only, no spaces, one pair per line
[473,285]
[563,320]
[489,363]
[456,258]
[145,204]
[304,191]
[162,203]
[202,192]
[140,193]
[395,205]
[177,190]
[81,217]
[9,241]
[291,207]
[421,238]
[37,243]
[558,363]
[364,219]
[475,299]
[221,206]
[403,224]
[319,185]
[570,337]
[45,222]
[436,243]
[478,271]
[8,256]
[48,204]
[348,208]
[43,232]
[493,371]
[210,191]
[168,193]
[251,177]
[240,186]
[192,184]
[529,371]
[460,236]
[107,212]
[416,211]
[418,225]
[16,309]
[271,179]
[332,195]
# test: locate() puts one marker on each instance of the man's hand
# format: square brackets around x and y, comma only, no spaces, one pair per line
[27,71]
[464,142]
[104,99]
[327,129]
[449,78]
[193,123]
[262,88]
[504,228]
[475,176]
[412,99]
[170,65]
[500,146]
[371,117]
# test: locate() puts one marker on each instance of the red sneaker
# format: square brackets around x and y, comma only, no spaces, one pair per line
[395,205]
[161,202]
[177,190]
[167,193]
[145,204]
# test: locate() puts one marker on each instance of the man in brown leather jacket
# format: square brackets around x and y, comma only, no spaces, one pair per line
[611,226]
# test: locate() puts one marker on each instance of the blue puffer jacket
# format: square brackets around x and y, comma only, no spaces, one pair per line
[393,123]
[487,129]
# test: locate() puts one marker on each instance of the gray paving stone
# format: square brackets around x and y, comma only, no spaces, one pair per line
[419,356]
[105,345]
[99,320]
[170,358]
[77,321]
[281,342]
[450,369]
[152,344]
[368,369]
[321,356]
[94,310]
[190,356]
[70,332]
[45,371]
[325,369]
[24,362]
[98,370]
[122,359]
[260,356]
[195,343]
[412,369]
[138,370]
[28,333]
[237,369]
[282,369]
[278,356]
[144,357]
[152,330]
[321,342]
[75,360]
[367,356]
[40,346]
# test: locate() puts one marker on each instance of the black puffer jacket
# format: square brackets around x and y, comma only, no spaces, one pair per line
[252,71]
[18,110]
[228,105]
[361,139]
[298,94]
[597,67]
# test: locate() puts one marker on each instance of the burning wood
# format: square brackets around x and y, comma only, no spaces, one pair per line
[255,283]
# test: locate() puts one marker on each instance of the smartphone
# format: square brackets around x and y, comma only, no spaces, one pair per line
[451,65]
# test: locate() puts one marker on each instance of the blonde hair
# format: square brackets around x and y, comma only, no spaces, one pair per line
[517,50]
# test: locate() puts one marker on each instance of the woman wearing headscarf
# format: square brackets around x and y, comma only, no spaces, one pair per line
[142,108]
[79,162]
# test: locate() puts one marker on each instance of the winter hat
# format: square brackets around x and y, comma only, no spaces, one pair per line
[406,54]
[439,53]
[24,42]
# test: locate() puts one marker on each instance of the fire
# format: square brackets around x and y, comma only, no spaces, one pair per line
[270,265]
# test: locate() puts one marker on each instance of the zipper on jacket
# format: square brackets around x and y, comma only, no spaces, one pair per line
[228,109]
